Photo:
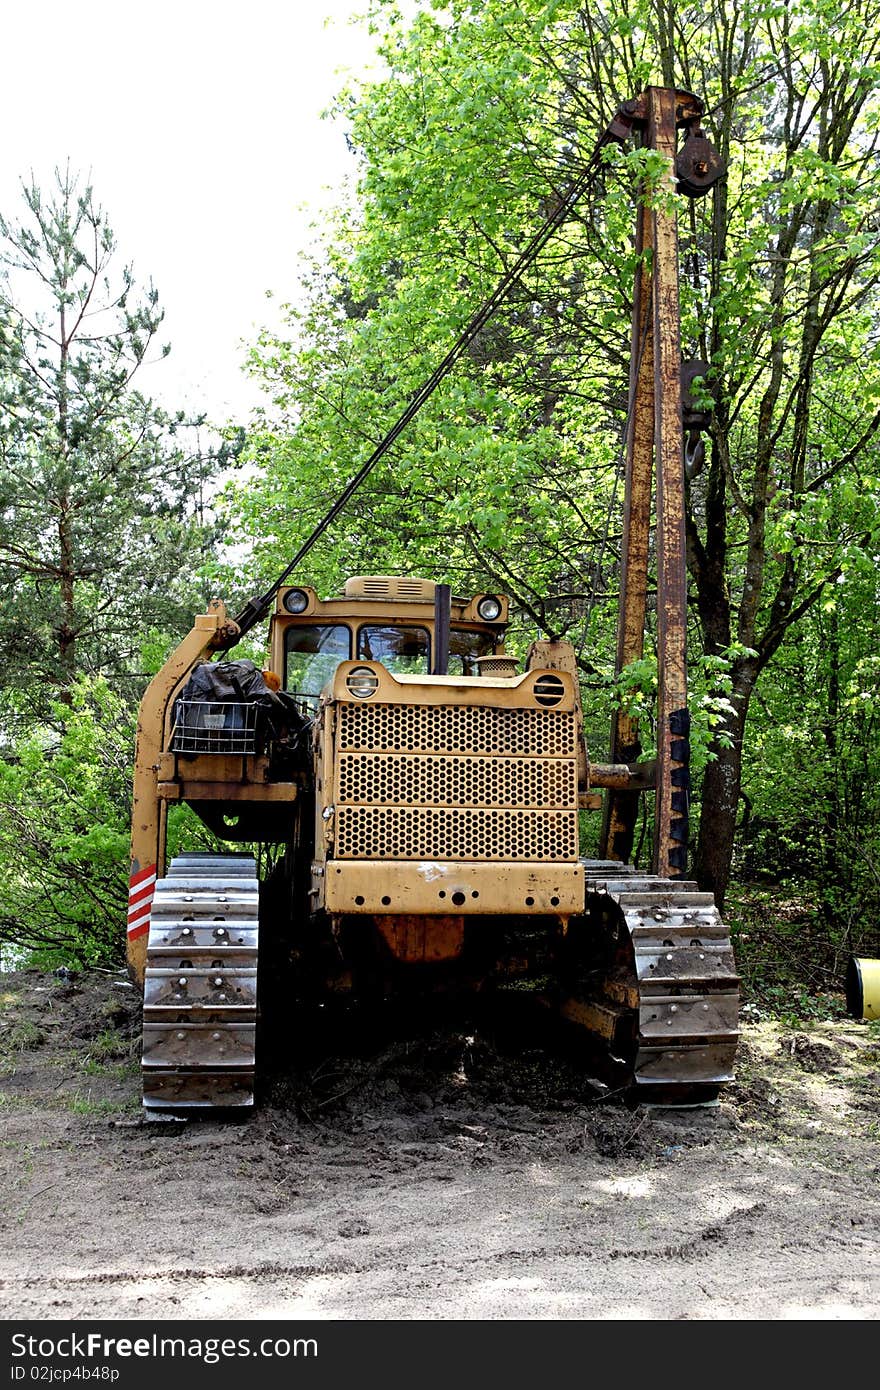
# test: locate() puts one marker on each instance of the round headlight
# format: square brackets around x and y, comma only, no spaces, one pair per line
[295,601]
[489,608]
[362,682]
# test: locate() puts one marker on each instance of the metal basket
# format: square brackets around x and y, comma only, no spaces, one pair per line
[203,726]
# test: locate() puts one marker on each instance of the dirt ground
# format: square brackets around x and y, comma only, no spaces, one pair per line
[442,1174]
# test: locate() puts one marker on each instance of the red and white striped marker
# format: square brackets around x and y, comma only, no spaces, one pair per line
[141,887]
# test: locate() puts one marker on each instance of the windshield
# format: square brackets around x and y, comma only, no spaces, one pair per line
[464,646]
[404,651]
[311,655]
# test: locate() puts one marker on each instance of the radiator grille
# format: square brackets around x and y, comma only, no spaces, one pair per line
[460,782]
[401,779]
[402,833]
[461,729]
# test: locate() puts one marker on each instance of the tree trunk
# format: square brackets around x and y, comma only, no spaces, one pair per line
[66,628]
[719,805]
[66,633]
[718,821]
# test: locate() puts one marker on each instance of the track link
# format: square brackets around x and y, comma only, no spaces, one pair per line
[671,998]
[200,987]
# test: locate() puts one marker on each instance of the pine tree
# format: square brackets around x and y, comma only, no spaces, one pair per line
[96,484]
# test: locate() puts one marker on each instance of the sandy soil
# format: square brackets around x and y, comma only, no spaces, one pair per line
[440,1174]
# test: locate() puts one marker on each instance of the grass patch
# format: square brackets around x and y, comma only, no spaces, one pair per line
[116,1071]
[23,1036]
[76,1105]
[109,1046]
[16,1102]
[85,1105]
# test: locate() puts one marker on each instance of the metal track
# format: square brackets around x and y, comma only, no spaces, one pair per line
[670,1002]
[200,987]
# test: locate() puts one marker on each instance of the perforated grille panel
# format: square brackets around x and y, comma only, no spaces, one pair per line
[459,729]
[396,779]
[401,833]
[456,783]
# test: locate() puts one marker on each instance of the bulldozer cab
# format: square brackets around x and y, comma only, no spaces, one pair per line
[382,619]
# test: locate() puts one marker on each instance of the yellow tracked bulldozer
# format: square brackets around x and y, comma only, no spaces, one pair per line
[423,793]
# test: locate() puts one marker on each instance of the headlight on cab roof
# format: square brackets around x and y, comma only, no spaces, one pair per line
[295,601]
[489,608]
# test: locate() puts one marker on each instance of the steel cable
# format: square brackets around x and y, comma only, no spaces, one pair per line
[257,608]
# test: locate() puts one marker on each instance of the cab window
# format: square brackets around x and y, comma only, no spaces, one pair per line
[464,646]
[404,651]
[311,655]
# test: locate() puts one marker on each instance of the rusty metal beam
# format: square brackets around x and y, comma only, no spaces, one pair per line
[623,776]
[671,822]
[621,807]
[655,431]
[261,792]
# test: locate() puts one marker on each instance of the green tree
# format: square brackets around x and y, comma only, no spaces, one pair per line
[509,476]
[65,798]
[97,485]
[810,818]
[65,825]
[788,503]
[104,518]
[490,484]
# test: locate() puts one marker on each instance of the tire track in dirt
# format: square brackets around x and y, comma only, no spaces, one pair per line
[718,1232]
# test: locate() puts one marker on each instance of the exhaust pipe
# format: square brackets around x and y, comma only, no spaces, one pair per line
[863,987]
[442,614]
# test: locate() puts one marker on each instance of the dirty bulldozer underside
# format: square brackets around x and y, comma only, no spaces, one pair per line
[648,972]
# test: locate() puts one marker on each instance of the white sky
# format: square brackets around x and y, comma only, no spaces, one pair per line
[200,126]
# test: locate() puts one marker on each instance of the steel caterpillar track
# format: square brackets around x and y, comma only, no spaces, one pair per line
[668,1005]
[200,987]
[665,1001]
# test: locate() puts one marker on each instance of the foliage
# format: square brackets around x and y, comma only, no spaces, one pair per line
[65,804]
[486,488]
[510,476]
[103,517]
[65,824]
[787,962]
[102,495]
[811,807]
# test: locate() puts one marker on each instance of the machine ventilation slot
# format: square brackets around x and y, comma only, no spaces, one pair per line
[501,666]
[460,730]
[406,779]
[390,587]
[549,690]
[409,833]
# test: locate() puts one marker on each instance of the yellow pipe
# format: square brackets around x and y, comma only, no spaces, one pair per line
[863,987]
